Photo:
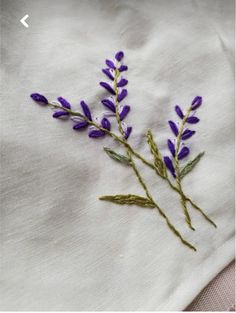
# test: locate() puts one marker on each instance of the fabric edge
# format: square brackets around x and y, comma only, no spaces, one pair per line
[179,300]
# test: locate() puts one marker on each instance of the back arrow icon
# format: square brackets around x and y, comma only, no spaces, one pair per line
[23,20]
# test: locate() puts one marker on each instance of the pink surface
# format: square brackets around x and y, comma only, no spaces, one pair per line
[219,295]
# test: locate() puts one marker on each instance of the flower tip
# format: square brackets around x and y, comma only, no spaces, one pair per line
[37,97]
[119,56]
[197,101]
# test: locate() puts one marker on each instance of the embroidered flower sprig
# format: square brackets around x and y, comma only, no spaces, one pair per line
[100,126]
[179,151]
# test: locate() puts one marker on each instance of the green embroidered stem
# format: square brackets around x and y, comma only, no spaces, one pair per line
[161,212]
[130,151]
[178,179]
[136,154]
[201,211]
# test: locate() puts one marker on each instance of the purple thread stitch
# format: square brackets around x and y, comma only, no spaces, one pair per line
[37,97]
[174,128]
[108,87]
[109,104]
[122,95]
[183,151]
[110,64]
[123,110]
[86,110]
[119,56]
[108,73]
[60,114]
[64,103]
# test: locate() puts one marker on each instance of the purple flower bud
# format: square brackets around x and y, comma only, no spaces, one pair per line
[39,98]
[109,104]
[86,110]
[124,111]
[187,134]
[183,153]
[123,82]
[64,103]
[96,133]
[197,101]
[119,56]
[179,112]
[110,64]
[128,132]
[59,114]
[192,120]
[80,125]
[171,147]
[123,68]
[107,87]
[106,123]
[173,127]
[122,95]
[169,165]
[107,72]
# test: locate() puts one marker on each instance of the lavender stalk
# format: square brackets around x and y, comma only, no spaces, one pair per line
[179,151]
[130,151]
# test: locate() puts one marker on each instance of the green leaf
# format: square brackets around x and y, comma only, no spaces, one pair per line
[158,162]
[190,165]
[129,200]
[116,156]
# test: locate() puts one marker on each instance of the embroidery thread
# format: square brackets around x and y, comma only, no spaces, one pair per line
[100,126]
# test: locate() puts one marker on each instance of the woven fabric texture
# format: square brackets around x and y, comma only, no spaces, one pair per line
[219,295]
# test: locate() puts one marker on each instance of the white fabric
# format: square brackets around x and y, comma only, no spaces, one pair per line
[62,248]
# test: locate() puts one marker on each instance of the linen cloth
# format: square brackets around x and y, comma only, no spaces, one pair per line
[62,248]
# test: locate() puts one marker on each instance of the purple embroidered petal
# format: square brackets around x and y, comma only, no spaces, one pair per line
[197,101]
[96,133]
[179,112]
[64,103]
[107,87]
[107,72]
[171,147]
[80,125]
[187,134]
[125,110]
[86,110]
[169,165]
[110,64]
[123,68]
[128,132]
[122,95]
[39,98]
[59,114]
[173,127]
[119,56]
[123,82]
[109,104]
[192,120]
[106,123]
[183,153]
